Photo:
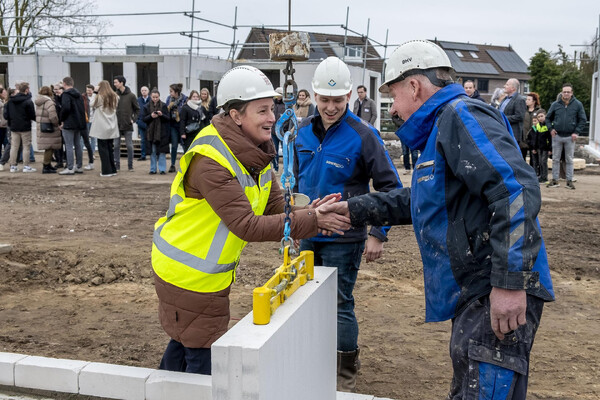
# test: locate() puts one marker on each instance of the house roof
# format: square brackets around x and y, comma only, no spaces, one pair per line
[323,45]
[484,60]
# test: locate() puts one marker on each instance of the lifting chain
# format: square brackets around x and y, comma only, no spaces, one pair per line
[286,130]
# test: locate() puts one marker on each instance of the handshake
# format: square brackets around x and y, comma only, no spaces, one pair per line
[332,214]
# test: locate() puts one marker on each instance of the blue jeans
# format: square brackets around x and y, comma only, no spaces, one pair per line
[142,133]
[405,156]
[175,139]
[346,258]
[179,358]
[558,143]
[162,159]
[73,138]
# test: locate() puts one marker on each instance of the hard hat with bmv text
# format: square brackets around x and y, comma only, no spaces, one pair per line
[244,83]
[414,55]
[332,78]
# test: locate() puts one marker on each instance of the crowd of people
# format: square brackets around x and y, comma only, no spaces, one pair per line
[541,135]
[67,121]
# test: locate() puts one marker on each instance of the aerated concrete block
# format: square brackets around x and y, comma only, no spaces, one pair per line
[49,374]
[353,396]
[178,385]
[5,248]
[292,357]
[114,381]
[7,367]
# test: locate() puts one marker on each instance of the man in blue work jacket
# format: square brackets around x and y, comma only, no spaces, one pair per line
[337,152]
[473,203]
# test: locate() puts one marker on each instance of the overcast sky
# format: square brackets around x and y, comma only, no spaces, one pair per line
[526,25]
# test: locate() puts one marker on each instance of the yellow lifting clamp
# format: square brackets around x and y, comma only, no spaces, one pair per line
[286,280]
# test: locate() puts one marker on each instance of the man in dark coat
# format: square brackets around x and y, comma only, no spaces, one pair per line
[142,101]
[127,112]
[513,106]
[72,116]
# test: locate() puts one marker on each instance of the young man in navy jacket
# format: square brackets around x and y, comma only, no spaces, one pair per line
[337,152]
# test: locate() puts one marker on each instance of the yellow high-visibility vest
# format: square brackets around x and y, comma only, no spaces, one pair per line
[192,247]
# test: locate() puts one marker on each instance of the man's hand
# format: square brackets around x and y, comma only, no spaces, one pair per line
[573,136]
[507,310]
[333,217]
[553,132]
[317,202]
[373,249]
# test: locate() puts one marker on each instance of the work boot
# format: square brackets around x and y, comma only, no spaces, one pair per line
[348,365]
[48,169]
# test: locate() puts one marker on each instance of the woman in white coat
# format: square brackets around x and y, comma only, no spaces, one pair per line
[105,127]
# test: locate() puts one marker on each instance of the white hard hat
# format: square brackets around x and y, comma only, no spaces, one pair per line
[332,78]
[414,55]
[244,83]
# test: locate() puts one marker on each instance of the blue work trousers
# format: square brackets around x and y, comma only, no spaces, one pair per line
[486,367]
[346,258]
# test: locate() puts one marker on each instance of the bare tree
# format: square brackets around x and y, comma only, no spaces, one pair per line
[25,24]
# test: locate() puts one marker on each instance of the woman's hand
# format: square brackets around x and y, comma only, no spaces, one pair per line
[332,220]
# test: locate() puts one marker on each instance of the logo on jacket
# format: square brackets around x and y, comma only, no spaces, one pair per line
[337,165]
[331,82]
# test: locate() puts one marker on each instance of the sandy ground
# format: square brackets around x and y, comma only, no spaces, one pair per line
[78,285]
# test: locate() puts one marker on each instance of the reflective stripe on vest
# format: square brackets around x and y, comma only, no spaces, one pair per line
[170,261]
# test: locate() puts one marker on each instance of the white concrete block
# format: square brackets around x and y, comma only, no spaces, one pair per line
[353,396]
[5,248]
[163,385]
[295,354]
[114,381]
[7,367]
[49,374]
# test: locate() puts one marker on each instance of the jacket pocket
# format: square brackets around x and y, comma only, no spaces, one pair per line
[336,167]
[425,171]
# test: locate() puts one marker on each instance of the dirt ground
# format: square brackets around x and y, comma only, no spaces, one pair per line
[78,285]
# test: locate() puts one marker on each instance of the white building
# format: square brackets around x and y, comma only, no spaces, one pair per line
[594,144]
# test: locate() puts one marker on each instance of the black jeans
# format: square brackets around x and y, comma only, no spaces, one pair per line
[107,157]
[485,366]
[179,358]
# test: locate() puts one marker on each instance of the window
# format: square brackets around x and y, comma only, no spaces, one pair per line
[526,87]
[473,54]
[483,85]
[458,53]
[354,51]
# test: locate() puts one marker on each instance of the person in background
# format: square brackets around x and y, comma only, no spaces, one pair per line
[59,155]
[532,102]
[190,119]
[85,134]
[205,103]
[19,111]
[72,117]
[542,143]
[304,107]
[127,112]
[364,107]
[142,101]
[278,110]
[45,113]
[89,97]
[156,116]
[3,127]
[105,127]
[175,102]
[497,97]
[513,106]
[567,119]
[473,93]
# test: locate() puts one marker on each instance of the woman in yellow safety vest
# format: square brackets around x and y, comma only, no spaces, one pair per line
[224,196]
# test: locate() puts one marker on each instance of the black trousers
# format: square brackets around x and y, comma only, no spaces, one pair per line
[107,157]
[179,358]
